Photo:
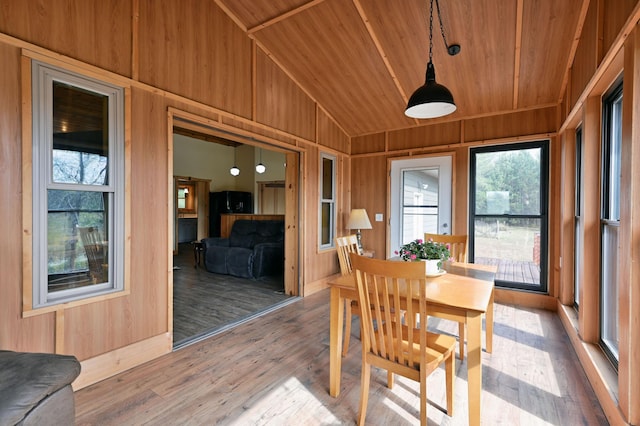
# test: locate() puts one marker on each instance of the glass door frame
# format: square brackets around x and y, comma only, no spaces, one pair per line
[543,145]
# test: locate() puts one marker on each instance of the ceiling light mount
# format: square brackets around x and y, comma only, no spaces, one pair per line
[432,100]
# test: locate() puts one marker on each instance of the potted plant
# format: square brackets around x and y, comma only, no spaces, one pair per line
[430,251]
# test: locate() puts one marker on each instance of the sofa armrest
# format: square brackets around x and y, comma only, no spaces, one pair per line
[268,259]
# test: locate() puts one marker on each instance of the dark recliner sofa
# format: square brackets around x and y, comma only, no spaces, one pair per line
[255,248]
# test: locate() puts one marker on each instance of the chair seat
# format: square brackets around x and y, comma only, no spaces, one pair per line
[439,346]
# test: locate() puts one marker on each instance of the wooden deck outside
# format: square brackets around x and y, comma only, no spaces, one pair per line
[513,270]
[274,370]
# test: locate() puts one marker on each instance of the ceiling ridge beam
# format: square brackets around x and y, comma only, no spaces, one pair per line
[518,53]
[381,52]
[283,16]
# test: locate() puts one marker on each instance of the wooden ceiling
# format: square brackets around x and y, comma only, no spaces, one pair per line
[361,60]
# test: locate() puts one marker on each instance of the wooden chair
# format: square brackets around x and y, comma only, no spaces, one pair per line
[457,244]
[458,249]
[345,245]
[400,347]
[95,249]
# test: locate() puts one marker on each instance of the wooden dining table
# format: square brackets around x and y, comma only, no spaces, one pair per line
[463,294]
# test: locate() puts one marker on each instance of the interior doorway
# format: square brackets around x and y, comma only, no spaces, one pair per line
[205,303]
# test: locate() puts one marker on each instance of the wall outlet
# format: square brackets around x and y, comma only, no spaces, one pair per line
[379,217]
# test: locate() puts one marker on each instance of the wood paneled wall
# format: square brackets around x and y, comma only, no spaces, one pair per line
[211,70]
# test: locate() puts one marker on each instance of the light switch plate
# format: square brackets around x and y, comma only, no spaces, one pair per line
[379,217]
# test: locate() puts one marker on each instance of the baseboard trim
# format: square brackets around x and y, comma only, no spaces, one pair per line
[111,363]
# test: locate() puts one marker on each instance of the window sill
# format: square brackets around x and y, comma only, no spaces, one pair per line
[599,371]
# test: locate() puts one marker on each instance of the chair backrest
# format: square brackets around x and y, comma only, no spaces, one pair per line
[396,293]
[457,244]
[95,248]
[345,245]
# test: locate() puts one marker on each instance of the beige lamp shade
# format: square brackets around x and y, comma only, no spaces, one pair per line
[358,219]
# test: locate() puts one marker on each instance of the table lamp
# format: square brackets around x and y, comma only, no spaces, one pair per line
[358,219]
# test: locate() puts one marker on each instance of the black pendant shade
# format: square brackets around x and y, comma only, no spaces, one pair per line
[430,100]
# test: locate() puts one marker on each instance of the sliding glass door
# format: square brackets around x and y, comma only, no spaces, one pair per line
[508,217]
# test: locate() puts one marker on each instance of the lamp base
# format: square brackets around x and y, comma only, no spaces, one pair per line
[359,238]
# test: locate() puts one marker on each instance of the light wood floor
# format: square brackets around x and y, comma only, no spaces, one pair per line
[274,370]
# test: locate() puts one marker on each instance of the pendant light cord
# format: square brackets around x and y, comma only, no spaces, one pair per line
[431,31]
[444,38]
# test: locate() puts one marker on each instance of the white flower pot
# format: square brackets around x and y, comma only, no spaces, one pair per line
[432,266]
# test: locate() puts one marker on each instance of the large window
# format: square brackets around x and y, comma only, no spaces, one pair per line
[610,221]
[78,186]
[509,220]
[327,200]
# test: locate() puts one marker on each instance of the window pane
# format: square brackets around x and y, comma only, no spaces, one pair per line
[508,182]
[72,262]
[511,243]
[327,179]
[80,136]
[325,224]
[615,153]
[610,288]
[419,203]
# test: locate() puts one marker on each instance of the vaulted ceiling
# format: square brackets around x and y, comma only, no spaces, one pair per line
[361,60]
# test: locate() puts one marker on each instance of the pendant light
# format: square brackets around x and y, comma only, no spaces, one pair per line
[235,171]
[260,168]
[432,99]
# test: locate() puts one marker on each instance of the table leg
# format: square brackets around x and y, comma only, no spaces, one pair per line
[474,365]
[336,321]
[489,324]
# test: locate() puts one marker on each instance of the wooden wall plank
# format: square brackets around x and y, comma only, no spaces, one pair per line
[330,135]
[567,215]
[586,59]
[368,144]
[425,136]
[206,57]
[96,32]
[279,101]
[27,334]
[511,125]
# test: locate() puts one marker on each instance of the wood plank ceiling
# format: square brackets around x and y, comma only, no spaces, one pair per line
[360,60]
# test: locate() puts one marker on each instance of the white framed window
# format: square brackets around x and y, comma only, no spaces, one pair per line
[327,227]
[77,186]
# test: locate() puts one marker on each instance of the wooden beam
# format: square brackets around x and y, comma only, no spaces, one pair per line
[517,53]
[283,16]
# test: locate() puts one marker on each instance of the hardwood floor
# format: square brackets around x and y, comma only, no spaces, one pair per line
[274,370]
[205,303]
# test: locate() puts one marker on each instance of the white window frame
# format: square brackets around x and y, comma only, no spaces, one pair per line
[43,77]
[330,201]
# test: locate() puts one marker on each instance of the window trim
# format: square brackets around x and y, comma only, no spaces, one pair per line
[38,78]
[330,201]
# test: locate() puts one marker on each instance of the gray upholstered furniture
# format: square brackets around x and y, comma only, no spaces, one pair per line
[35,388]
[255,248]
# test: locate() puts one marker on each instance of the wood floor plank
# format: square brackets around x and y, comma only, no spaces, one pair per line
[274,370]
